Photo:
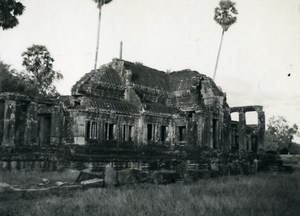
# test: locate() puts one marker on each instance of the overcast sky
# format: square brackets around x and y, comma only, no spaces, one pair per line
[258,52]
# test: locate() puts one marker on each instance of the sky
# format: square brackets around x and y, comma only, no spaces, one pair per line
[258,52]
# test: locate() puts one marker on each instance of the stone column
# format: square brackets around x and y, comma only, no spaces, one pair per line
[141,135]
[242,130]
[9,123]
[261,129]
[31,125]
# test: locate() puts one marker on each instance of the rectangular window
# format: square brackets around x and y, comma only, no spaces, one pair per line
[94,130]
[127,133]
[87,129]
[181,133]
[109,131]
[130,133]
[163,133]
[149,132]
[91,130]
[124,133]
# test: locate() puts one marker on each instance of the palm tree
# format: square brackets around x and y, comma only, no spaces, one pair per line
[100,3]
[9,9]
[225,15]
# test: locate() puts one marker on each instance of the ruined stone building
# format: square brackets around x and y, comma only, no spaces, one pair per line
[125,104]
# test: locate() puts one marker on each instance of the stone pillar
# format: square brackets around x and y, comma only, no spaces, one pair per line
[31,125]
[242,130]
[2,109]
[9,123]
[56,127]
[171,132]
[141,136]
[261,129]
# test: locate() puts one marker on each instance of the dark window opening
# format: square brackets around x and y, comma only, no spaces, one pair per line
[254,146]
[182,133]
[87,129]
[130,133]
[163,133]
[127,133]
[109,131]
[124,133]
[149,131]
[44,129]
[94,130]
[215,133]
[237,140]
[91,130]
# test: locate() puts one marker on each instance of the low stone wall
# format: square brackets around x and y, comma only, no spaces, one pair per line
[52,164]
[9,165]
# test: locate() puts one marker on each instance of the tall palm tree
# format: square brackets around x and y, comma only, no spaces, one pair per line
[225,16]
[100,3]
[9,9]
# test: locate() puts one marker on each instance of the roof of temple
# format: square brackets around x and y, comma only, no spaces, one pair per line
[160,90]
[104,104]
[183,80]
[105,77]
[148,77]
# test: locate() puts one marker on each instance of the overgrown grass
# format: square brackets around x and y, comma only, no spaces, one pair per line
[264,194]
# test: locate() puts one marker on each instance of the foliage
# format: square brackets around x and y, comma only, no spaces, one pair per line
[9,9]
[102,2]
[295,148]
[280,132]
[39,67]
[12,81]
[225,14]
[265,194]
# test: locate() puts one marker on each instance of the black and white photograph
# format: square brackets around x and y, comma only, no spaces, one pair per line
[149,107]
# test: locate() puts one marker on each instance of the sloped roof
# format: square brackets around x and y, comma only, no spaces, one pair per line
[155,88]
[104,104]
[148,77]
[102,77]
[183,80]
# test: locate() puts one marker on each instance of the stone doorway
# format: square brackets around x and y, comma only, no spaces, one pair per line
[44,129]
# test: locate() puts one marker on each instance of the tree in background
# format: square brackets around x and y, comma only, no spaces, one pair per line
[280,133]
[9,10]
[100,3]
[39,69]
[12,81]
[225,16]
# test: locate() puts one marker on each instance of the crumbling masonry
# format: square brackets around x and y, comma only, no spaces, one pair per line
[125,105]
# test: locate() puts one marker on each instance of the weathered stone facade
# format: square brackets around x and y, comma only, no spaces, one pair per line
[125,104]
[248,137]
[25,121]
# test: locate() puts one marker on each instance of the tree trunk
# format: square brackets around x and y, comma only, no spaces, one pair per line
[98,35]
[218,54]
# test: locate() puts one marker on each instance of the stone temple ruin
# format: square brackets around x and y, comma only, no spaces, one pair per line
[126,105]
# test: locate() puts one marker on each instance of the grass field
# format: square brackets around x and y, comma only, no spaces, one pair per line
[263,194]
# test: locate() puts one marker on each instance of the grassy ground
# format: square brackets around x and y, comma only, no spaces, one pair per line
[263,194]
